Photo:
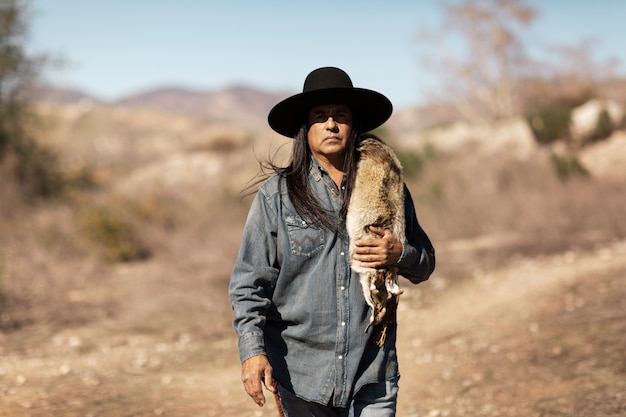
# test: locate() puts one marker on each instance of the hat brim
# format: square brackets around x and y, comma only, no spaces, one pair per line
[371,108]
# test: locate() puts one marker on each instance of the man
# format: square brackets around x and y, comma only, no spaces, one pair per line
[299,309]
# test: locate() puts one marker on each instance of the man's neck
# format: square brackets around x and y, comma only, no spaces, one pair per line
[334,168]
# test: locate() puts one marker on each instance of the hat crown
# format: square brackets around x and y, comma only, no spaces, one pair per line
[325,78]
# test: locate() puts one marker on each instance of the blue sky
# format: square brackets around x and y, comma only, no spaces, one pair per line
[119,47]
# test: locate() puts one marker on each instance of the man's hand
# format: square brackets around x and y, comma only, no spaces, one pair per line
[256,372]
[376,253]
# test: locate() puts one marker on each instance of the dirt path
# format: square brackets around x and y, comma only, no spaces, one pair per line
[542,337]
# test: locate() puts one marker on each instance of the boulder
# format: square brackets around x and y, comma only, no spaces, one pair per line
[584,118]
[511,137]
[606,159]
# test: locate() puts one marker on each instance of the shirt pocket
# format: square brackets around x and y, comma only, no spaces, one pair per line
[305,239]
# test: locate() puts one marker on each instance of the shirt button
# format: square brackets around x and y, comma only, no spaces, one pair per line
[343,288]
[342,253]
[343,323]
[340,357]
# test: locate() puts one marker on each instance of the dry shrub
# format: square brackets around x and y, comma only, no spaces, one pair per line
[550,123]
[567,166]
[14,306]
[523,207]
[44,268]
[156,209]
[108,232]
[194,238]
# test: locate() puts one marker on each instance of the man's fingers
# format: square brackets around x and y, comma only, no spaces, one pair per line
[383,234]
[378,230]
[254,389]
[270,384]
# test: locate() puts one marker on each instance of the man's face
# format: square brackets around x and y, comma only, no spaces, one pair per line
[330,128]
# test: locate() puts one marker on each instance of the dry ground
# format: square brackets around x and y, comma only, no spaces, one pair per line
[537,337]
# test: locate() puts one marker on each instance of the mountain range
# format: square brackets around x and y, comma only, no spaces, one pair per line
[243,105]
[249,106]
[236,104]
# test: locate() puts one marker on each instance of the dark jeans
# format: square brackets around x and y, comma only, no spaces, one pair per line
[373,400]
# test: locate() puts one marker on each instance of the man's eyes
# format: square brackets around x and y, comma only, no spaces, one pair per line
[336,116]
[343,117]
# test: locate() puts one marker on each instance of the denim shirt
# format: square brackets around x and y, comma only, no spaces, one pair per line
[296,300]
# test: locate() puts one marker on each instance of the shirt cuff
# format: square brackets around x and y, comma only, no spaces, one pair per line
[403,254]
[251,344]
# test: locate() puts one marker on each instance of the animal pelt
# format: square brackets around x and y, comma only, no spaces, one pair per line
[377,200]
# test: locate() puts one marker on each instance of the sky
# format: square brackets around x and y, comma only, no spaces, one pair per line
[114,48]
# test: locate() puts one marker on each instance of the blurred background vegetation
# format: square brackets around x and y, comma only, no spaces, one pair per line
[126,219]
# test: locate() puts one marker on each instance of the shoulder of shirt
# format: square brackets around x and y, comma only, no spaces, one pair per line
[274,185]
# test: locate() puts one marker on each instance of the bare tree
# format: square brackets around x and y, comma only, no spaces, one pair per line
[575,67]
[481,81]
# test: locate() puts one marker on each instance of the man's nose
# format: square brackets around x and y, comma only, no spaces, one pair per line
[330,122]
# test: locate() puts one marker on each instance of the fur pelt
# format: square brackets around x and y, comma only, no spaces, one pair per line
[377,200]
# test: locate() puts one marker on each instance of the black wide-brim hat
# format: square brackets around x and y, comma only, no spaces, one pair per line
[329,85]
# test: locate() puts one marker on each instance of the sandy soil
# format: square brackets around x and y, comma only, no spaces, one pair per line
[539,337]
